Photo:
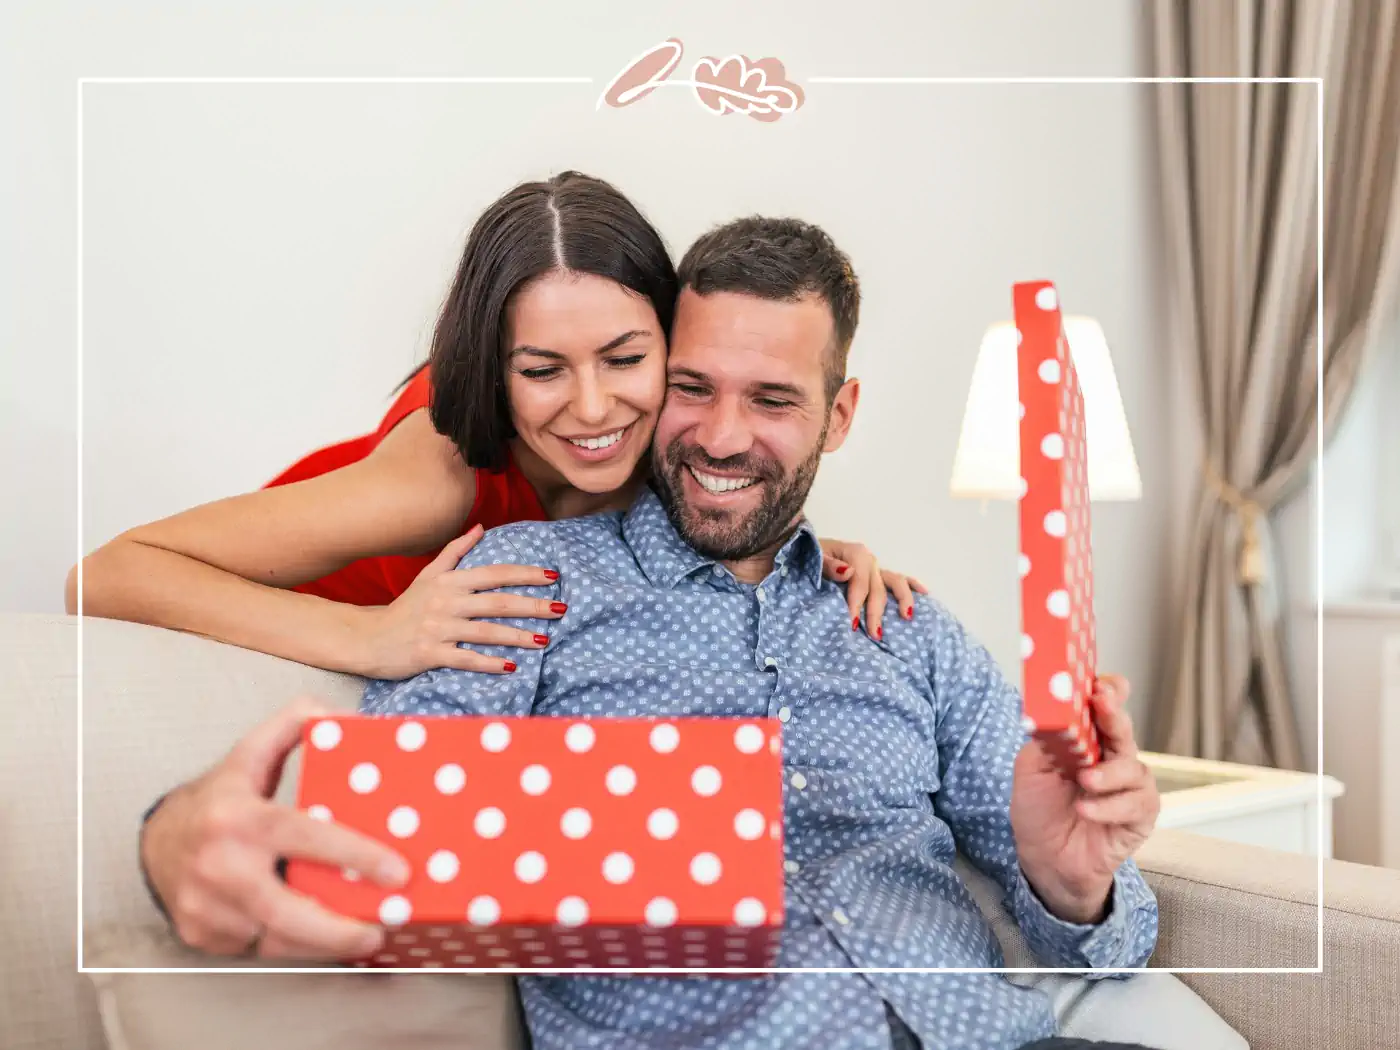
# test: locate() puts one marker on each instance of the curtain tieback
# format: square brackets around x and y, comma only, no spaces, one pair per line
[1251,569]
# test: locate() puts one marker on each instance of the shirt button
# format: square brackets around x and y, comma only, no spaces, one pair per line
[761,595]
[718,570]
[768,661]
[840,916]
[798,781]
[784,572]
[784,714]
[791,867]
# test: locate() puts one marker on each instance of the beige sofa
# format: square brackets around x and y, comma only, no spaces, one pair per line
[159,706]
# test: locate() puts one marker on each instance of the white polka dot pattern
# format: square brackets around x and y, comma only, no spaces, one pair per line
[579,737]
[1058,653]
[364,778]
[443,866]
[562,824]
[403,822]
[576,822]
[901,745]
[325,735]
[450,778]
[662,823]
[411,736]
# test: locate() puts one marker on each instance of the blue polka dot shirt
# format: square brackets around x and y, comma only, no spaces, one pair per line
[896,754]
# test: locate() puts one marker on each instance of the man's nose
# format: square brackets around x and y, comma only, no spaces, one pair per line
[722,432]
[591,400]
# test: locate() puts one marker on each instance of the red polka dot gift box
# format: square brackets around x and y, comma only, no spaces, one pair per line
[1058,653]
[555,842]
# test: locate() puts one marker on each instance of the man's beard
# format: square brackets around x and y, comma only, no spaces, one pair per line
[730,535]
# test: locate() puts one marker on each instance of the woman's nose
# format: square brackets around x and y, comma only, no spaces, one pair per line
[591,401]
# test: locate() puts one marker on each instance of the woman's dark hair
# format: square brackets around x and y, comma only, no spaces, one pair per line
[571,222]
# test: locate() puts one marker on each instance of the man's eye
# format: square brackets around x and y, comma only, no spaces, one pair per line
[545,372]
[772,402]
[689,389]
[628,361]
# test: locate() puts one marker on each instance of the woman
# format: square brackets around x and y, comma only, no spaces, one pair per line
[544,381]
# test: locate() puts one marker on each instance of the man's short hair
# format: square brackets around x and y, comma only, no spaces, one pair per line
[780,260]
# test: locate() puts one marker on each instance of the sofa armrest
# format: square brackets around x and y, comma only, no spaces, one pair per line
[1224,904]
[160,707]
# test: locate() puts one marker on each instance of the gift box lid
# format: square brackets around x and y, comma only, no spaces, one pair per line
[1058,648]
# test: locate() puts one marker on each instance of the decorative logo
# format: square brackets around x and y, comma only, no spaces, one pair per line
[736,84]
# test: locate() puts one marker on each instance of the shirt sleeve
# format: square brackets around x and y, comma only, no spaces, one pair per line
[447,691]
[979,736]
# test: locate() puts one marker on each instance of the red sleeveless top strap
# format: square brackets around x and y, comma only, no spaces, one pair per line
[501,498]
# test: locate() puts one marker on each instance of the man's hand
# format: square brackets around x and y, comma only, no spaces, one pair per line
[211,853]
[1073,835]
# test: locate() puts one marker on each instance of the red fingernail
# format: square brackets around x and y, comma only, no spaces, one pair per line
[558,607]
[909,613]
[855,623]
[880,634]
[541,639]
[550,574]
[510,665]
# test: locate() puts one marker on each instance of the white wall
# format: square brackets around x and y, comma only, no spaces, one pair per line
[262,263]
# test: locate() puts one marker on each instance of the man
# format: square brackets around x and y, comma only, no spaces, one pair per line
[706,598]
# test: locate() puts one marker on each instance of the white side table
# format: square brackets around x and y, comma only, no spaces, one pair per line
[1275,808]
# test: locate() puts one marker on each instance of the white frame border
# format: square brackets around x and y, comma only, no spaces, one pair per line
[83,81]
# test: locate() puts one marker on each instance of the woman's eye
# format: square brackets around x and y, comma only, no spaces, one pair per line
[546,372]
[628,361]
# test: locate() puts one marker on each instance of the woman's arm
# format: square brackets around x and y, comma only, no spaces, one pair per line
[221,569]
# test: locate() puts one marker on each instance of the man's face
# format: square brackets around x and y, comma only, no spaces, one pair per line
[745,421]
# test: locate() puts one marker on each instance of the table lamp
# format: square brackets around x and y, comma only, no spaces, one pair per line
[988,461]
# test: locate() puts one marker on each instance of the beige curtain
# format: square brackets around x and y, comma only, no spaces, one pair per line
[1239,174]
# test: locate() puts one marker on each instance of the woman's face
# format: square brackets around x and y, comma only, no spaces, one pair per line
[585,376]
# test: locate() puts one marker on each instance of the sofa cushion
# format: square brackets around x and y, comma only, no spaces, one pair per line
[44,1003]
[364,1009]
[350,1010]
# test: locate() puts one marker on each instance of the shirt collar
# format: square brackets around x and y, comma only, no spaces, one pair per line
[667,559]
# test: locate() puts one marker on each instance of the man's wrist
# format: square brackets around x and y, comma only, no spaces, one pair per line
[1083,905]
[143,837]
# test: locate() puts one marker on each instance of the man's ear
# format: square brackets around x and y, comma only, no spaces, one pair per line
[842,412]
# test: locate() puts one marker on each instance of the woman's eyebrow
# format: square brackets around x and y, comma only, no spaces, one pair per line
[555,355]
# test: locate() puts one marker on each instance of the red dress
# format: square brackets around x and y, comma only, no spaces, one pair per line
[501,497]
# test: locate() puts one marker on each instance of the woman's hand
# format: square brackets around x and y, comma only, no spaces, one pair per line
[867,585]
[421,629]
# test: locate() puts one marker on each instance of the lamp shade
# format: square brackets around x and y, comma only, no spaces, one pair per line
[988,460]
